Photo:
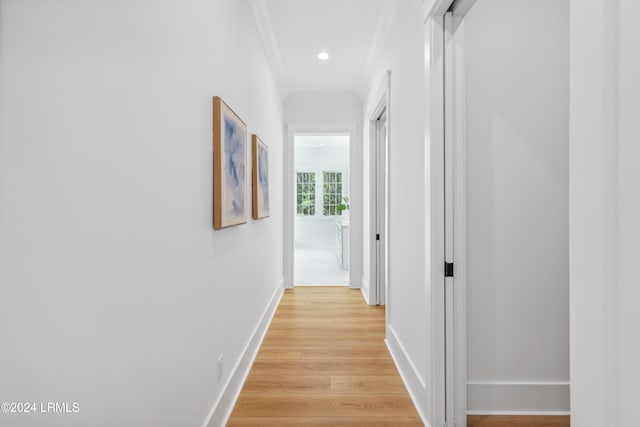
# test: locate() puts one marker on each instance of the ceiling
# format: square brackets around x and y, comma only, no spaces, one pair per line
[295,31]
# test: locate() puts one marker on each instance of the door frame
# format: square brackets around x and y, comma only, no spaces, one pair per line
[377,294]
[291,130]
[456,211]
[445,156]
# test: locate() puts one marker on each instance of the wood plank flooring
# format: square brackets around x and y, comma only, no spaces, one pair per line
[323,363]
[517,421]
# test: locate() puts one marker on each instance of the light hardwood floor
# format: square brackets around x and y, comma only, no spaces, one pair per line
[323,363]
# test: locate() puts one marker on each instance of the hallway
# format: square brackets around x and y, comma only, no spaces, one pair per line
[324,362]
[150,204]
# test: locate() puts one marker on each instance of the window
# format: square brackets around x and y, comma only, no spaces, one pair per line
[332,192]
[306,193]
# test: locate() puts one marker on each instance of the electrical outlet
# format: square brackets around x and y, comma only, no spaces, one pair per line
[220,366]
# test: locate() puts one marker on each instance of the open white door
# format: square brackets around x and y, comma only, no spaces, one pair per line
[380,212]
[378,195]
[454,227]
[448,189]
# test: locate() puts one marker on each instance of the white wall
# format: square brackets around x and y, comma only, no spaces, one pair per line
[605,207]
[115,291]
[517,184]
[321,108]
[402,52]
[322,152]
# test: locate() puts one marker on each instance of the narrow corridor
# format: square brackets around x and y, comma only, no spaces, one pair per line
[324,362]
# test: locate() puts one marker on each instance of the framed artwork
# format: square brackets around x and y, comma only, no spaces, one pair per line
[229,167]
[260,165]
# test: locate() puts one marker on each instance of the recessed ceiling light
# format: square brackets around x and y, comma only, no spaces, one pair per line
[323,56]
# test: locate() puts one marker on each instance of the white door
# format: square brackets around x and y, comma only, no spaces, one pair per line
[454,285]
[444,33]
[380,213]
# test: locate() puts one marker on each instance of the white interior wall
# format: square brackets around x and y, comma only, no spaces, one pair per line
[605,206]
[517,186]
[318,154]
[116,292]
[313,108]
[402,52]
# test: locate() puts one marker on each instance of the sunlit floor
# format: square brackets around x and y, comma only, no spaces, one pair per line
[318,267]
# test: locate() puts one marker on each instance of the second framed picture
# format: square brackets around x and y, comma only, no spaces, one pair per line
[260,157]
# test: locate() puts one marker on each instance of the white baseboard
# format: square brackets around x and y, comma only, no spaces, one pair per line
[414,383]
[221,410]
[517,398]
[365,290]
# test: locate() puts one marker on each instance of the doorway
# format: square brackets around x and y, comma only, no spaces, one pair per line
[503,175]
[378,163]
[322,210]
[379,211]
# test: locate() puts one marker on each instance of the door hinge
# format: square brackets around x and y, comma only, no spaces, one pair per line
[448,269]
[377,236]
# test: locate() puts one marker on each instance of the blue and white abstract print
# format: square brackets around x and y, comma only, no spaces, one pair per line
[234,168]
[263,180]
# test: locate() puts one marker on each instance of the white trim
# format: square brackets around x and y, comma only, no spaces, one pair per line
[382,102]
[449,192]
[221,409]
[365,290]
[379,97]
[458,216]
[435,8]
[288,215]
[516,397]
[414,383]
[264,26]
[355,197]
[462,7]
[434,206]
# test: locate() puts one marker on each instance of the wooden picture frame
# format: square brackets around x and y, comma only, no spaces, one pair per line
[229,167]
[260,175]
